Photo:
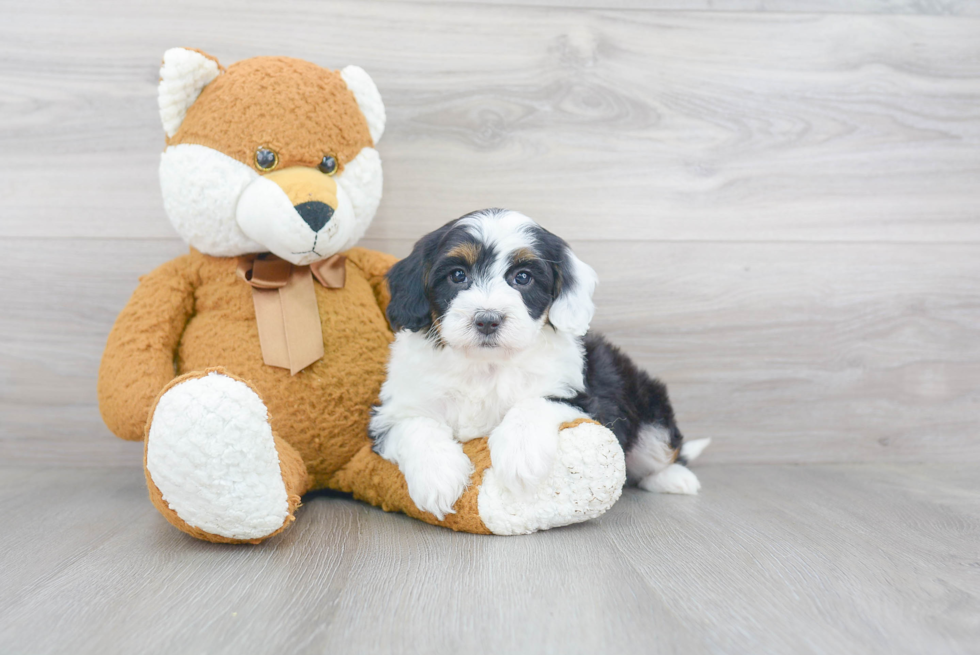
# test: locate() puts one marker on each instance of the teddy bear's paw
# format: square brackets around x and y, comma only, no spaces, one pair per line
[211,453]
[586,480]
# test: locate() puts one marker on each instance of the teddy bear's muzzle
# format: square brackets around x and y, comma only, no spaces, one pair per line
[301,214]
[313,194]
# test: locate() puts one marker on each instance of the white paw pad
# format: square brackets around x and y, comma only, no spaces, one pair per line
[211,453]
[587,478]
[675,479]
[523,453]
[436,482]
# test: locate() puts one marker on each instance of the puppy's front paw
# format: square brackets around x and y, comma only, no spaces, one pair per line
[437,480]
[522,451]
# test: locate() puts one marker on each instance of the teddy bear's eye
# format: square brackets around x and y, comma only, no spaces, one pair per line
[266,159]
[328,164]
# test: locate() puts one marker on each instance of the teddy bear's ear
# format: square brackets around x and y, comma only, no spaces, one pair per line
[183,75]
[368,99]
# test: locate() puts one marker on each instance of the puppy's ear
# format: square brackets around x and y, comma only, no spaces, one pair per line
[409,308]
[572,309]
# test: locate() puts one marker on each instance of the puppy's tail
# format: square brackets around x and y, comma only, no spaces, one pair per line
[690,450]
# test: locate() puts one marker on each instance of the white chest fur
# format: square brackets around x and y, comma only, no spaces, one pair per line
[471,392]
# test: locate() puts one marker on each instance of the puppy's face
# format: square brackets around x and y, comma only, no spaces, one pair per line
[490,282]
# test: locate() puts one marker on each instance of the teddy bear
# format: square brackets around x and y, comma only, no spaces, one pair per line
[248,367]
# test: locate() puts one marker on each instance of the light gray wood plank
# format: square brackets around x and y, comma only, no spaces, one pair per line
[623,124]
[831,551]
[767,559]
[779,352]
[805,352]
[928,7]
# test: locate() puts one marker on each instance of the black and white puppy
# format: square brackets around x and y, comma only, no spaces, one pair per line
[491,313]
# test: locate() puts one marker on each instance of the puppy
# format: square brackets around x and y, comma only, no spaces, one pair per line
[491,314]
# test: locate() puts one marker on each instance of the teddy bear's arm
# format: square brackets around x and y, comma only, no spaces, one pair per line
[138,361]
[374,264]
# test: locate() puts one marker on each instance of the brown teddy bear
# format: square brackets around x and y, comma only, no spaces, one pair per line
[249,366]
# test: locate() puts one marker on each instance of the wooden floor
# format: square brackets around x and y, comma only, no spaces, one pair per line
[769,559]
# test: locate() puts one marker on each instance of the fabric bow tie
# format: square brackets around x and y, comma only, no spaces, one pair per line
[290,332]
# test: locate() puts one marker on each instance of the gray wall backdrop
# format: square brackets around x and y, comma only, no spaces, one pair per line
[782,198]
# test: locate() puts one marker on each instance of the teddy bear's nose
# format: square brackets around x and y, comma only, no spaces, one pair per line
[315,213]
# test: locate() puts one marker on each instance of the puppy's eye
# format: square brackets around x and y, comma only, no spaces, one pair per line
[522,278]
[458,276]
[266,159]
[328,165]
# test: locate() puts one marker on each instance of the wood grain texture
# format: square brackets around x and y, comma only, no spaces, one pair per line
[819,559]
[783,204]
[624,124]
[784,207]
[927,7]
[789,353]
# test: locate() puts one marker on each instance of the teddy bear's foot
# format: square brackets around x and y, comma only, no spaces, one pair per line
[588,477]
[213,466]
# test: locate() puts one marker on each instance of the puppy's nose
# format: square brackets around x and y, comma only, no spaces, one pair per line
[315,213]
[488,322]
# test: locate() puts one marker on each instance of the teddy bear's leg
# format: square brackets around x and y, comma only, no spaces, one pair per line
[586,480]
[213,466]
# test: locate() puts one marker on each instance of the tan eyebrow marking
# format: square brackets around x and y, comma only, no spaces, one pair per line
[468,252]
[523,255]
